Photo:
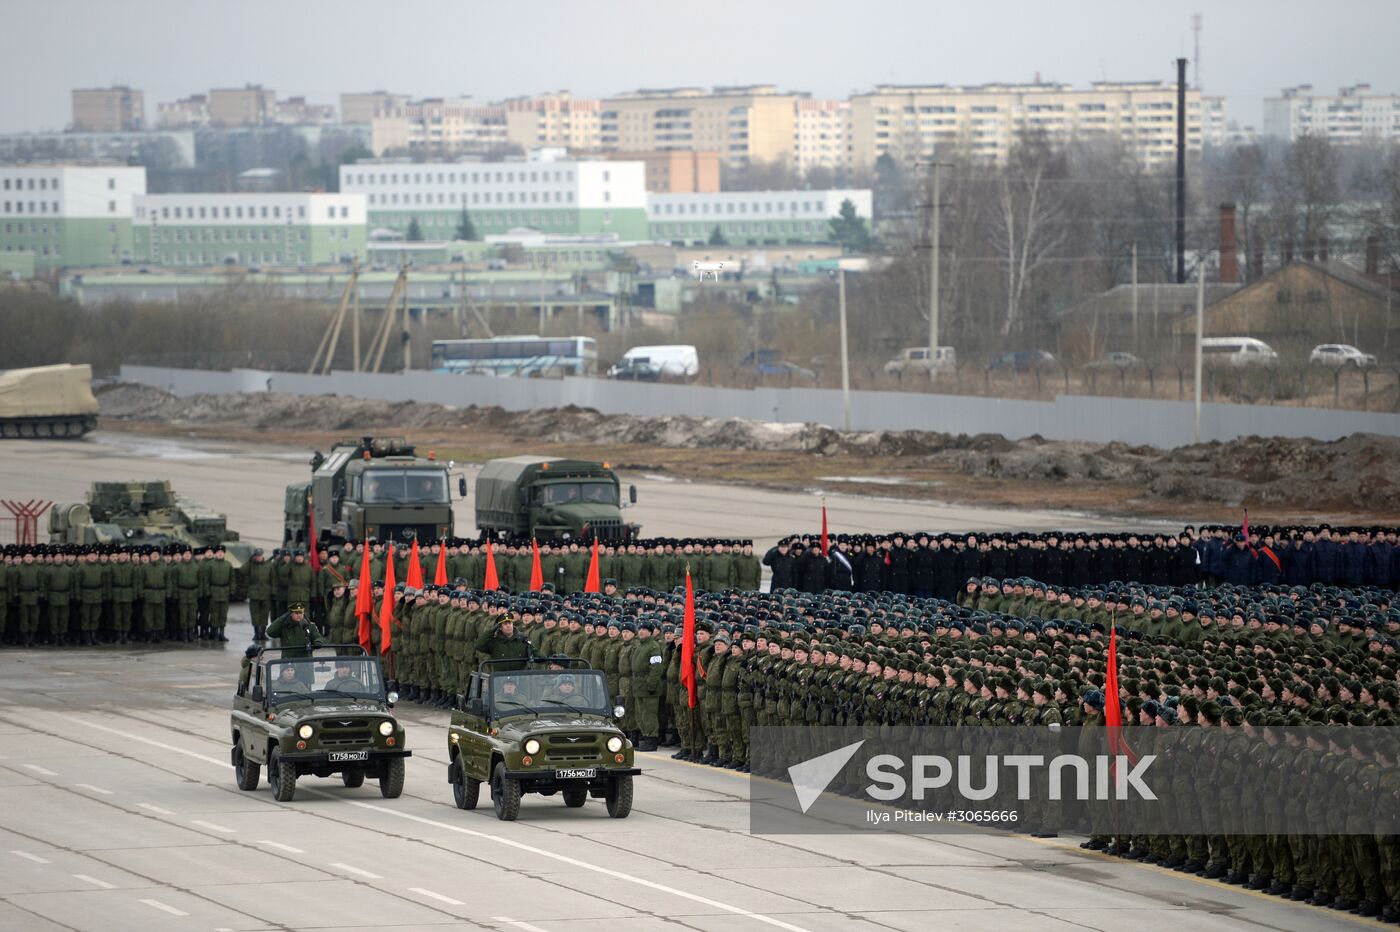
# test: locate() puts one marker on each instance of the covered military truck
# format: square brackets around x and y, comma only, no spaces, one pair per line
[549,498]
[372,488]
[48,401]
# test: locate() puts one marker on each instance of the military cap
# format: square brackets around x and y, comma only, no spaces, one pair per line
[296,607]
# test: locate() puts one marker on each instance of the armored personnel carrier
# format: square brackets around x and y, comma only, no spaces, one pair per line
[48,401]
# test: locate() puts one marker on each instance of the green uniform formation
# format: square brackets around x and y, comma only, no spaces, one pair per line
[63,595]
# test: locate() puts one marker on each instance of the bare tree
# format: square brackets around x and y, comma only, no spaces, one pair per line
[1027,226]
[1307,191]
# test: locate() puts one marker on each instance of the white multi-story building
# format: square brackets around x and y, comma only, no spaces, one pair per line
[1353,114]
[914,123]
[547,192]
[68,215]
[288,229]
[438,127]
[554,120]
[821,135]
[752,217]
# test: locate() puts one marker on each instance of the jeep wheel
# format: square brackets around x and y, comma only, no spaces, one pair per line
[391,779]
[575,797]
[283,777]
[245,771]
[619,797]
[353,779]
[465,790]
[505,794]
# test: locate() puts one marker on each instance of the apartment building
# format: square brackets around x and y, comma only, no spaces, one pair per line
[548,192]
[270,230]
[363,107]
[252,105]
[439,128]
[743,124]
[68,215]
[185,113]
[751,217]
[108,110]
[675,172]
[553,120]
[297,111]
[822,135]
[1354,114]
[914,122]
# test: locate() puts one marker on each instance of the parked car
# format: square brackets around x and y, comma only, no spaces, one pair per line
[1021,361]
[1340,354]
[918,359]
[1116,361]
[768,363]
[1237,351]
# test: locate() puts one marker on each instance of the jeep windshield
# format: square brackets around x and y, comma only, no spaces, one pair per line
[354,678]
[546,692]
[405,487]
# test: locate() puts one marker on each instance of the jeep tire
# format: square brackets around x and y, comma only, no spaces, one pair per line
[283,777]
[575,796]
[353,779]
[619,798]
[391,778]
[505,794]
[245,771]
[465,790]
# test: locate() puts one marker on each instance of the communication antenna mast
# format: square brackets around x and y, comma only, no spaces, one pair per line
[1196,30]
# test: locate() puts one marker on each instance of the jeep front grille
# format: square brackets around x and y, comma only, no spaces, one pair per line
[558,756]
[573,741]
[347,739]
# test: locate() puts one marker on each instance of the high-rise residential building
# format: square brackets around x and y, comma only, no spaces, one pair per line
[251,105]
[752,123]
[439,128]
[675,172]
[1353,114]
[548,192]
[752,217]
[285,230]
[822,135]
[295,111]
[553,120]
[363,107]
[915,122]
[185,113]
[108,110]
[69,215]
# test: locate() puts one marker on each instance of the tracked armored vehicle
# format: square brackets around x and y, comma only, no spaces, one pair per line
[46,402]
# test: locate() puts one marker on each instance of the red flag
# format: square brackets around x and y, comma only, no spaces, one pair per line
[688,643]
[1112,712]
[415,569]
[492,582]
[386,608]
[592,584]
[440,574]
[824,537]
[536,572]
[311,536]
[364,599]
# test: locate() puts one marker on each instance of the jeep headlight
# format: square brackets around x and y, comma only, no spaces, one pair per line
[532,747]
[305,731]
[615,744]
[386,728]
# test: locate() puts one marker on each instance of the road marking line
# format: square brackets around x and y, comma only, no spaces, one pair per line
[281,847]
[154,808]
[436,896]
[30,857]
[157,904]
[520,846]
[95,789]
[95,882]
[350,869]
[517,923]
[212,826]
[43,770]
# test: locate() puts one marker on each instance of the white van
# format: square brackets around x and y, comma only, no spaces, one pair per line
[1237,351]
[917,359]
[648,363]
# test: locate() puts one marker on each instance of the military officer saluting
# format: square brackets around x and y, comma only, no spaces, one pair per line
[295,632]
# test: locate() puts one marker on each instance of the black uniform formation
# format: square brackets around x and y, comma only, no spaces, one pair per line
[61,595]
[935,565]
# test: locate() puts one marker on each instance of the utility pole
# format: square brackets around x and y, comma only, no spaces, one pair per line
[1200,328]
[845,359]
[934,221]
[355,325]
[1181,171]
[1136,345]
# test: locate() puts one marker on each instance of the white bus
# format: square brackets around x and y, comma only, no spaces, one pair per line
[517,356]
[1237,351]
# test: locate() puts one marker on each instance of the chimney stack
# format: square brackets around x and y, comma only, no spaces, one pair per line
[1373,255]
[1229,260]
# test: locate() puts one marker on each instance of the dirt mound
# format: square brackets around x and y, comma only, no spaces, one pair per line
[1355,473]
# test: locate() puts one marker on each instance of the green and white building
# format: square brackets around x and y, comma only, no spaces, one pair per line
[752,217]
[273,230]
[67,215]
[547,192]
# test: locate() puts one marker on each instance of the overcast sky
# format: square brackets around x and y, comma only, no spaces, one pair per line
[171,48]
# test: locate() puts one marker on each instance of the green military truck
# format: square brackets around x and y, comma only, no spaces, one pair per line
[374,487]
[549,498]
[327,713]
[548,729]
